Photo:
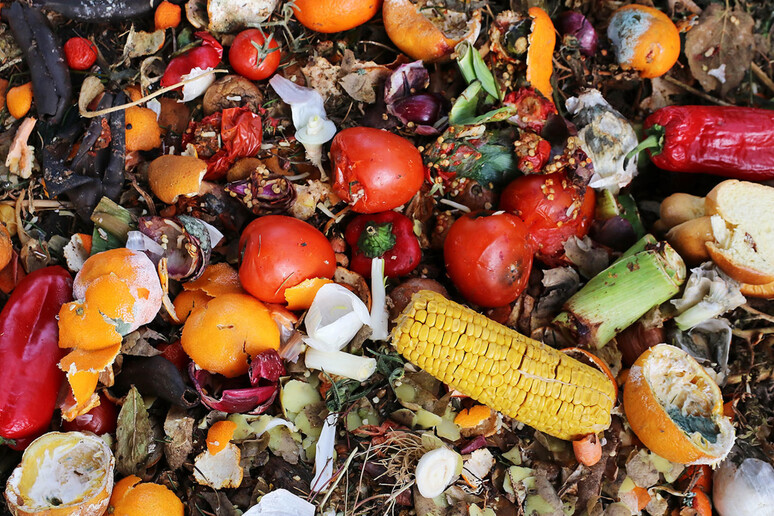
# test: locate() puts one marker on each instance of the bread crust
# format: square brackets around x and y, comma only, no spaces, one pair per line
[738,271]
[689,240]
[681,207]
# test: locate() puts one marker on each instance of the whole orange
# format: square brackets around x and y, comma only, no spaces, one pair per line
[334,15]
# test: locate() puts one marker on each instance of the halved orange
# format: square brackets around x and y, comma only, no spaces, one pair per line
[220,336]
[131,497]
[300,297]
[676,409]
[428,32]
[62,474]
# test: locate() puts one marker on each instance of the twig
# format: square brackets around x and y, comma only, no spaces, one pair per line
[761,75]
[39,204]
[339,475]
[11,63]
[691,89]
[101,112]
[764,316]
[23,236]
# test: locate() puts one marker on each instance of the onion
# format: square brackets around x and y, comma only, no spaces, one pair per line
[574,24]
[422,108]
[747,488]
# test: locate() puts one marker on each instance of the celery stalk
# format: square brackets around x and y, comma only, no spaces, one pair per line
[618,296]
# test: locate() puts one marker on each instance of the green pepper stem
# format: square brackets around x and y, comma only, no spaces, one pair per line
[655,140]
[376,239]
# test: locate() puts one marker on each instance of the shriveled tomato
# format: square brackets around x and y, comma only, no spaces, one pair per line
[488,257]
[280,252]
[100,420]
[375,170]
[553,208]
[254,55]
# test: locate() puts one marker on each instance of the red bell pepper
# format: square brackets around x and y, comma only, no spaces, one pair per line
[208,55]
[388,235]
[30,353]
[241,132]
[734,142]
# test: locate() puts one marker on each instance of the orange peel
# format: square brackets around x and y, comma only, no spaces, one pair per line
[300,297]
[187,301]
[136,271]
[219,435]
[172,176]
[142,129]
[86,328]
[82,368]
[428,39]
[73,468]
[540,53]
[676,409]
[220,336]
[217,279]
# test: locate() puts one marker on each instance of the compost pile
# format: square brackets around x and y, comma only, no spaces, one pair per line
[428,257]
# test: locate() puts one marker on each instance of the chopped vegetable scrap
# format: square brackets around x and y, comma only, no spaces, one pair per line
[386,257]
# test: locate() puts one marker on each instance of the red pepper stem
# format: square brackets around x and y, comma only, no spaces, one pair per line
[9,442]
[655,140]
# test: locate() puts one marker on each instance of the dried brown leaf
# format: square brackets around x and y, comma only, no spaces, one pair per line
[178,428]
[136,343]
[641,469]
[361,78]
[720,48]
[133,436]
[141,43]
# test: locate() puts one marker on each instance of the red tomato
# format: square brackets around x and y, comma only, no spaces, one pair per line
[488,257]
[80,53]
[553,208]
[253,55]
[280,252]
[375,170]
[100,420]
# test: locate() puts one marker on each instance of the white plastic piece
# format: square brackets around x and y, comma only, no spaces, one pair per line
[281,502]
[747,490]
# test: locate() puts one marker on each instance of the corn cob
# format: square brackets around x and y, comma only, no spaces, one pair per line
[511,373]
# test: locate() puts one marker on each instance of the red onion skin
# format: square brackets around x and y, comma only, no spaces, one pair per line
[575,24]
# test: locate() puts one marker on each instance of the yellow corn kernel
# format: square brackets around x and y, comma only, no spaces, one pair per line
[497,366]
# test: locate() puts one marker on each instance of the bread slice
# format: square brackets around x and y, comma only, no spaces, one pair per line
[742,216]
